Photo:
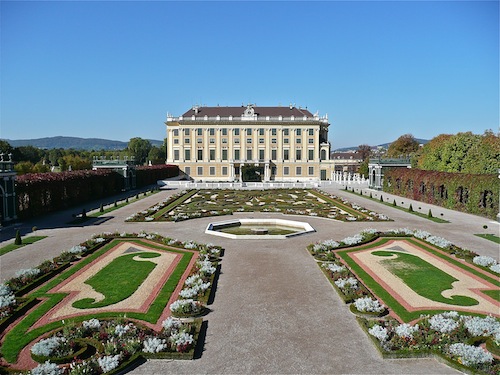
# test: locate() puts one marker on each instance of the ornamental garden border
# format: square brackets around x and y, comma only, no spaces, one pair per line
[32,315]
[469,341]
[207,203]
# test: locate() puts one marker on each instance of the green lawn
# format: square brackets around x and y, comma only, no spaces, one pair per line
[26,241]
[425,279]
[124,284]
[491,237]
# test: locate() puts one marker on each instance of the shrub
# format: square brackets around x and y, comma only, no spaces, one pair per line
[18,240]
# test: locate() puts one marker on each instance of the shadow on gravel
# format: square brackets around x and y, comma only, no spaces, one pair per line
[200,345]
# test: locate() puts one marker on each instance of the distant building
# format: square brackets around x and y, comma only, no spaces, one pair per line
[348,162]
[276,143]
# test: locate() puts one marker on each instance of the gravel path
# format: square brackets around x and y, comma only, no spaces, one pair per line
[274,311]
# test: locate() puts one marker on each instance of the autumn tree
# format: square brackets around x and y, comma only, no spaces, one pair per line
[364,152]
[403,146]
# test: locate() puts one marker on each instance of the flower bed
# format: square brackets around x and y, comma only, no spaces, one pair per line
[208,203]
[196,262]
[465,341]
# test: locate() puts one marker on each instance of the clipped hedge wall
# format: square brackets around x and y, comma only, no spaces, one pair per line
[42,193]
[148,175]
[476,194]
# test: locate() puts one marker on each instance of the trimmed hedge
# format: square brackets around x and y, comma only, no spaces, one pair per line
[148,175]
[42,193]
[476,194]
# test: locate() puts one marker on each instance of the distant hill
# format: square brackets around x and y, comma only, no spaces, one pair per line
[75,143]
[383,145]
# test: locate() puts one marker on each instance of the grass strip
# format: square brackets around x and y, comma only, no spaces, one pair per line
[175,203]
[26,241]
[431,218]
[490,237]
[338,204]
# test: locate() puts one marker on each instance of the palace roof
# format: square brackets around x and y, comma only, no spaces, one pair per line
[239,111]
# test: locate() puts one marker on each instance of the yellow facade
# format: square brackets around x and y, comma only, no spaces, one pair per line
[211,147]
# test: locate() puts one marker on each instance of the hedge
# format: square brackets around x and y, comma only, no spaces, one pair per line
[476,194]
[148,175]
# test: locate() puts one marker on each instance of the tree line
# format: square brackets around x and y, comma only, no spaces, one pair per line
[30,159]
[459,153]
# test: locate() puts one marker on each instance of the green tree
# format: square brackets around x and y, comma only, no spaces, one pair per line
[6,148]
[24,167]
[156,155]
[484,156]
[431,157]
[139,148]
[403,146]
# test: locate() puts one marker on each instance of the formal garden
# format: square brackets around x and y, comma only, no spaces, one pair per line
[193,204]
[418,295]
[66,317]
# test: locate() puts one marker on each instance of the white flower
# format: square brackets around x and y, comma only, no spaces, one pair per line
[7,300]
[379,332]
[46,347]
[354,240]
[5,290]
[422,234]
[334,267]
[477,326]
[46,368]
[444,323]
[439,241]
[483,260]
[121,330]
[406,330]
[495,268]
[366,304]
[470,355]
[185,306]
[78,249]
[109,362]
[29,272]
[154,345]
[349,283]
[92,324]
[171,325]
[181,338]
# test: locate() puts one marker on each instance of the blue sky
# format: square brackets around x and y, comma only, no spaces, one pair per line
[378,69]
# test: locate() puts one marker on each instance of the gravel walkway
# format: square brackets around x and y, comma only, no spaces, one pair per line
[274,311]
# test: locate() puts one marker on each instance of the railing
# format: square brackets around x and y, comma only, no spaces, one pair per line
[254,119]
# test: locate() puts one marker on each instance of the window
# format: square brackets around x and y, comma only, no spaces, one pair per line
[298,171]
[200,154]
[224,141]
[323,154]
[249,131]
[311,154]
[212,141]
[176,154]
[236,171]
[175,132]
[285,132]
[212,154]
[299,132]
[224,131]
[310,141]
[236,154]
[273,131]
[273,154]
[236,131]
[311,131]
[199,140]
[199,131]
[261,141]
[249,140]
[286,154]
[261,131]
[211,131]
[186,132]
[176,141]
[224,154]
[187,140]
[273,171]
[261,154]
[187,170]
[200,171]
[249,154]
[224,171]
[298,154]
[285,141]
[311,171]
[187,154]
[236,140]
[286,171]
[212,171]
[298,140]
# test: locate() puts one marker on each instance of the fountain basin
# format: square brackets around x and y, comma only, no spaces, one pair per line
[258,229]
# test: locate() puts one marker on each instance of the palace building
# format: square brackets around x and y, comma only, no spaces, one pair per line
[250,143]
